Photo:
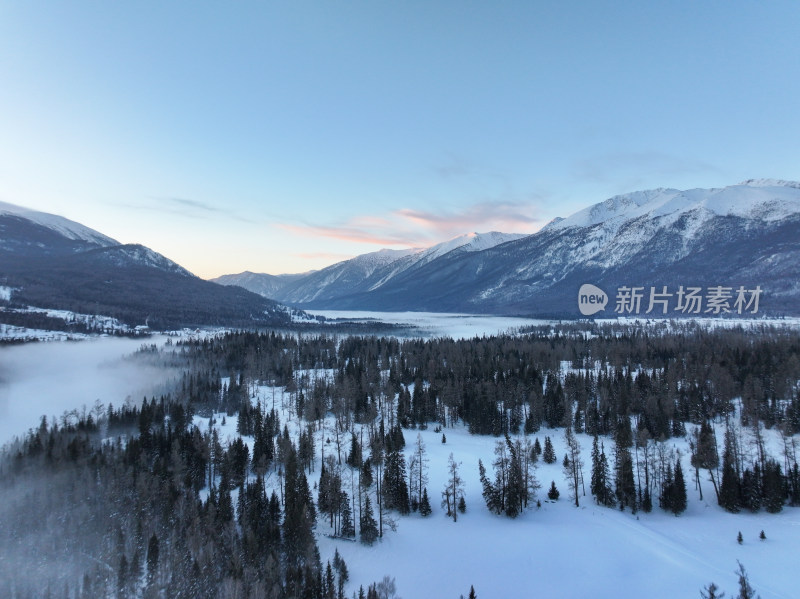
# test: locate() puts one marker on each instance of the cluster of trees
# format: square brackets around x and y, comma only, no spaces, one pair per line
[634,388]
[137,502]
[751,483]
[515,480]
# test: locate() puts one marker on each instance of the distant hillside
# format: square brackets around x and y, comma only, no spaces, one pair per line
[50,262]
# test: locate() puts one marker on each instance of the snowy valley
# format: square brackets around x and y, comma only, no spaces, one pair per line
[256,400]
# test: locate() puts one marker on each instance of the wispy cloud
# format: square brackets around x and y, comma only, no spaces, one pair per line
[186,207]
[409,227]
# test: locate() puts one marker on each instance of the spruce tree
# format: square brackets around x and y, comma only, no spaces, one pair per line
[354,458]
[549,454]
[425,504]
[553,493]
[730,487]
[773,487]
[368,526]
[665,499]
[395,487]
[606,493]
[347,528]
[678,502]
[751,489]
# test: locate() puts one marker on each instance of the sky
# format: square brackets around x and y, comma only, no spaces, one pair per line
[286,136]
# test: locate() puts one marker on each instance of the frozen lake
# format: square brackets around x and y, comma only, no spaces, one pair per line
[437,324]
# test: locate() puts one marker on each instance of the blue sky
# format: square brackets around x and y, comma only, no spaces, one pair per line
[286,136]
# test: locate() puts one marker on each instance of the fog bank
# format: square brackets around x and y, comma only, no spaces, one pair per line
[50,378]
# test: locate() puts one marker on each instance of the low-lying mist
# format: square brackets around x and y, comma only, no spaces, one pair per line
[50,378]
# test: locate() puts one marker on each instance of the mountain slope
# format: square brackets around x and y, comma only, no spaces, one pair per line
[50,262]
[363,274]
[742,235]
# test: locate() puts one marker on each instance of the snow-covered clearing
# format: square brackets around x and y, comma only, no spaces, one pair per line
[556,550]
[563,551]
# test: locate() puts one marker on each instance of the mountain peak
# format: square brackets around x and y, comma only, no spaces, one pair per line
[765,199]
[770,183]
[63,226]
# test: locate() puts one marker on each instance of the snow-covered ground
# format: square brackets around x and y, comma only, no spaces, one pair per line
[94,321]
[563,551]
[556,550]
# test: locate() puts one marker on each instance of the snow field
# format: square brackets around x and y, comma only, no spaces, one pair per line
[557,550]
[563,551]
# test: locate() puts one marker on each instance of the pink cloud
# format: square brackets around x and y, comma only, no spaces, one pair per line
[420,228]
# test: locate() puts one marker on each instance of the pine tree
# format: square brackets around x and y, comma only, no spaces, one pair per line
[354,458]
[730,487]
[678,490]
[625,484]
[472,594]
[705,454]
[490,494]
[368,526]
[549,455]
[773,487]
[605,494]
[395,488]
[425,504]
[553,493]
[299,513]
[665,499]
[751,489]
[347,528]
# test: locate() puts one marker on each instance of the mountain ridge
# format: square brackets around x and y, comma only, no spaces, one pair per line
[741,234]
[47,261]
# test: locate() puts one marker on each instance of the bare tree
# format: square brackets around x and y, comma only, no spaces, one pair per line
[573,466]
[454,488]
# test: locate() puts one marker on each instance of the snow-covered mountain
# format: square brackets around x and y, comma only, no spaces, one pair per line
[48,261]
[25,231]
[742,235]
[362,274]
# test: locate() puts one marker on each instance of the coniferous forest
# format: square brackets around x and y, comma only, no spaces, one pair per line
[145,499]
